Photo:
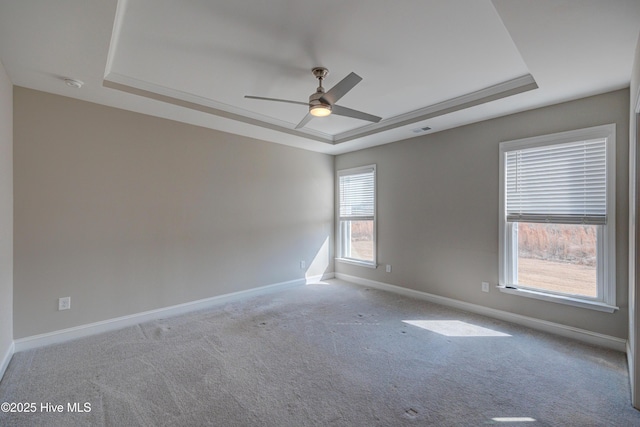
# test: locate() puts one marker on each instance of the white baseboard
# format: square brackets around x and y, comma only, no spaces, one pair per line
[583,335]
[6,359]
[319,278]
[63,335]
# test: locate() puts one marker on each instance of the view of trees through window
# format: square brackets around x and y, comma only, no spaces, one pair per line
[558,257]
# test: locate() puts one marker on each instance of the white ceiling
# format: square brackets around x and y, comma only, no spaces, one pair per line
[436,63]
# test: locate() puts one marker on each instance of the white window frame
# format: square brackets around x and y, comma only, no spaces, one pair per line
[606,257]
[340,244]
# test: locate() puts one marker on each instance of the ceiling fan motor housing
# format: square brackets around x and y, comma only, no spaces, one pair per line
[314,99]
[317,107]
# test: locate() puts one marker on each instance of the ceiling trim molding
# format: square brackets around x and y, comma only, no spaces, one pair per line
[183,99]
[149,90]
[501,90]
[121,6]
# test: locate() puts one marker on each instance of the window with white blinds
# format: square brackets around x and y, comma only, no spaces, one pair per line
[559,183]
[557,234]
[356,211]
[357,195]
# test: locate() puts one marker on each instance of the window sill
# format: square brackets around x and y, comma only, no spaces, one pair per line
[575,302]
[356,262]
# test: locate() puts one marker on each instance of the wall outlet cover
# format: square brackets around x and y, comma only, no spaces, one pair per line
[64,303]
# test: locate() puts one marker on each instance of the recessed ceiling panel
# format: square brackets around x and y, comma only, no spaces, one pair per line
[410,54]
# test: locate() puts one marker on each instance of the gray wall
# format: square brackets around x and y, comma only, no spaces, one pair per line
[6,213]
[438,209]
[126,213]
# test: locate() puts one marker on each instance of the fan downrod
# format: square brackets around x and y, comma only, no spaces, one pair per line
[320,73]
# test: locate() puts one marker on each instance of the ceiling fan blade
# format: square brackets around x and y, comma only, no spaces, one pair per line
[339,90]
[348,112]
[304,121]
[277,100]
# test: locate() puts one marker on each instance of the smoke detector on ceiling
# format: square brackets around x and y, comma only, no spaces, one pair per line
[73,83]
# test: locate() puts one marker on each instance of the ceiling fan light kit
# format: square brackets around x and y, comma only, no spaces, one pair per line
[320,110]
[323,104]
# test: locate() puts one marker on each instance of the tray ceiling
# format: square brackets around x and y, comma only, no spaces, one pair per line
[436,64]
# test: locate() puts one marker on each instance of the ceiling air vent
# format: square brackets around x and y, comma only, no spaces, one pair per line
[420,130]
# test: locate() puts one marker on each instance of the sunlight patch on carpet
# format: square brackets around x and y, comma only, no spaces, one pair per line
[455,328]
[513,419]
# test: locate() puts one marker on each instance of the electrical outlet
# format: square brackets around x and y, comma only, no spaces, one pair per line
[64,303]
[388,268]
[303,264]
[485,287]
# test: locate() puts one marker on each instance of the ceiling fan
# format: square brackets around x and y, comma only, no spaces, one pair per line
[322,104]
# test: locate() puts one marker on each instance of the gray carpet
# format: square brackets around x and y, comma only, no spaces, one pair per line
[323,355]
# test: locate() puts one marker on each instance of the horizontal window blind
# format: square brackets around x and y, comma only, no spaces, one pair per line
[357,195]
[560,183]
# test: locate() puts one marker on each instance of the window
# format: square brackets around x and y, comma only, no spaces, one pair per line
[557,217]
[357,215]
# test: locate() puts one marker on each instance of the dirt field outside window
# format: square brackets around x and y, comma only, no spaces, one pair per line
[561,277]
[558,257]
